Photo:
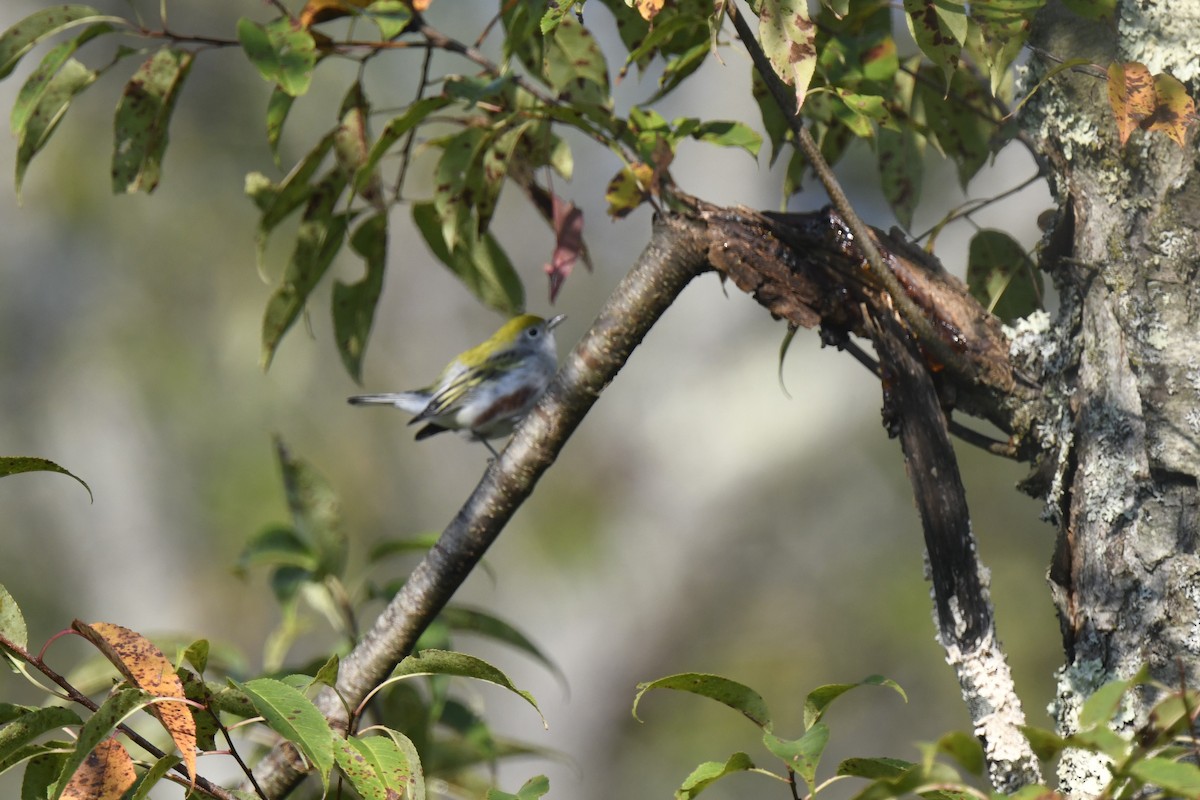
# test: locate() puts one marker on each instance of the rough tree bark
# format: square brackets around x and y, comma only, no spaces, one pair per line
[1123,362]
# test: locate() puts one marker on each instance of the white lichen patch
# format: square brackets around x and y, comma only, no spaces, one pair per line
[1156,34]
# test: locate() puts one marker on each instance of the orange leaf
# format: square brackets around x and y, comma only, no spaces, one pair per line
[315,11]
[649,8]
[106,774]
[1131,95]
[145,666]
[1174,111]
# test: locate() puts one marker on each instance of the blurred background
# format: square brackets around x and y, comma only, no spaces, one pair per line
[702,519]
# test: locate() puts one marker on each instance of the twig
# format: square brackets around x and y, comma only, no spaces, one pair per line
[974,206]
[411,136]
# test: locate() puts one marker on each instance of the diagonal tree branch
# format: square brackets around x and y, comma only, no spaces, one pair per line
[675,254]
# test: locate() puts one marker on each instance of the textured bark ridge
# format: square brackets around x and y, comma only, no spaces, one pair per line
[1126,577]
[804,268]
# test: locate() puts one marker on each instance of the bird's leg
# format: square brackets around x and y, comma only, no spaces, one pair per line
[488,445]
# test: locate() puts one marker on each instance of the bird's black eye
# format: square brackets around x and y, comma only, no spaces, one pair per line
[533,333]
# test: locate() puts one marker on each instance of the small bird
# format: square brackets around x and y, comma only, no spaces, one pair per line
[487,390]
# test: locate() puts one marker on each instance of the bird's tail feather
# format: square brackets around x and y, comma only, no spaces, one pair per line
[412,402]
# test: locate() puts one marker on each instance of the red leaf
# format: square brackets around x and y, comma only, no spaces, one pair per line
[568,243]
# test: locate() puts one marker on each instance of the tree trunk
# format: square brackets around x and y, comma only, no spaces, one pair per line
[1126,259]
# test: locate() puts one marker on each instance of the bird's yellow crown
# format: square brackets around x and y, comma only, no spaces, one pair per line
[509,332]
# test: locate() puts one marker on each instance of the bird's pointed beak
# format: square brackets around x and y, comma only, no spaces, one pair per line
[554,321]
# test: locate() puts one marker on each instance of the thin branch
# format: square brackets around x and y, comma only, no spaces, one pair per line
[411,136]
[676,253]
[975,206]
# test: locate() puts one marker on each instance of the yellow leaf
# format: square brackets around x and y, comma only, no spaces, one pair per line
[629,189]
[1174,111]
[106,774]
[1131,95]
[649,8]
[145,666]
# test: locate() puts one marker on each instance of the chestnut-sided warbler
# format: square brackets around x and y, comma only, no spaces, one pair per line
[486,390]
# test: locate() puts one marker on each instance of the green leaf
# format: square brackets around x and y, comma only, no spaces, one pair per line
[470,620]
[874,768]
[819,699]
[493,168]
[278,107]
[376,764]
[12,621]
[1004,26]
[482,265]
[788,39]
[1174,777]
[283,55]
[1102,704]
[404,771]
[961,124]
[115,709]
[555,13]
[801,755]
[278,201]
[315,510]
[21,38]
[350,145]
[574,66]
[532,789]
[1046,744]
[142,119]
[1006,281]
[963,748]
[710,772]
[737,696]
[1093,9]
[28,726]
[939,28]
[728,134]
[1101,739]
[391,17]
[901,159]
[318,240]
[414,115]
[276,546]
[43,120]
[354,304]
[293,716]
[152,776]
[445,662]
[773,119]
[40,774]
[1033,792]
[196,654]
[679,67]
[628,189]
[15,465]
[457,182]
[39,81]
